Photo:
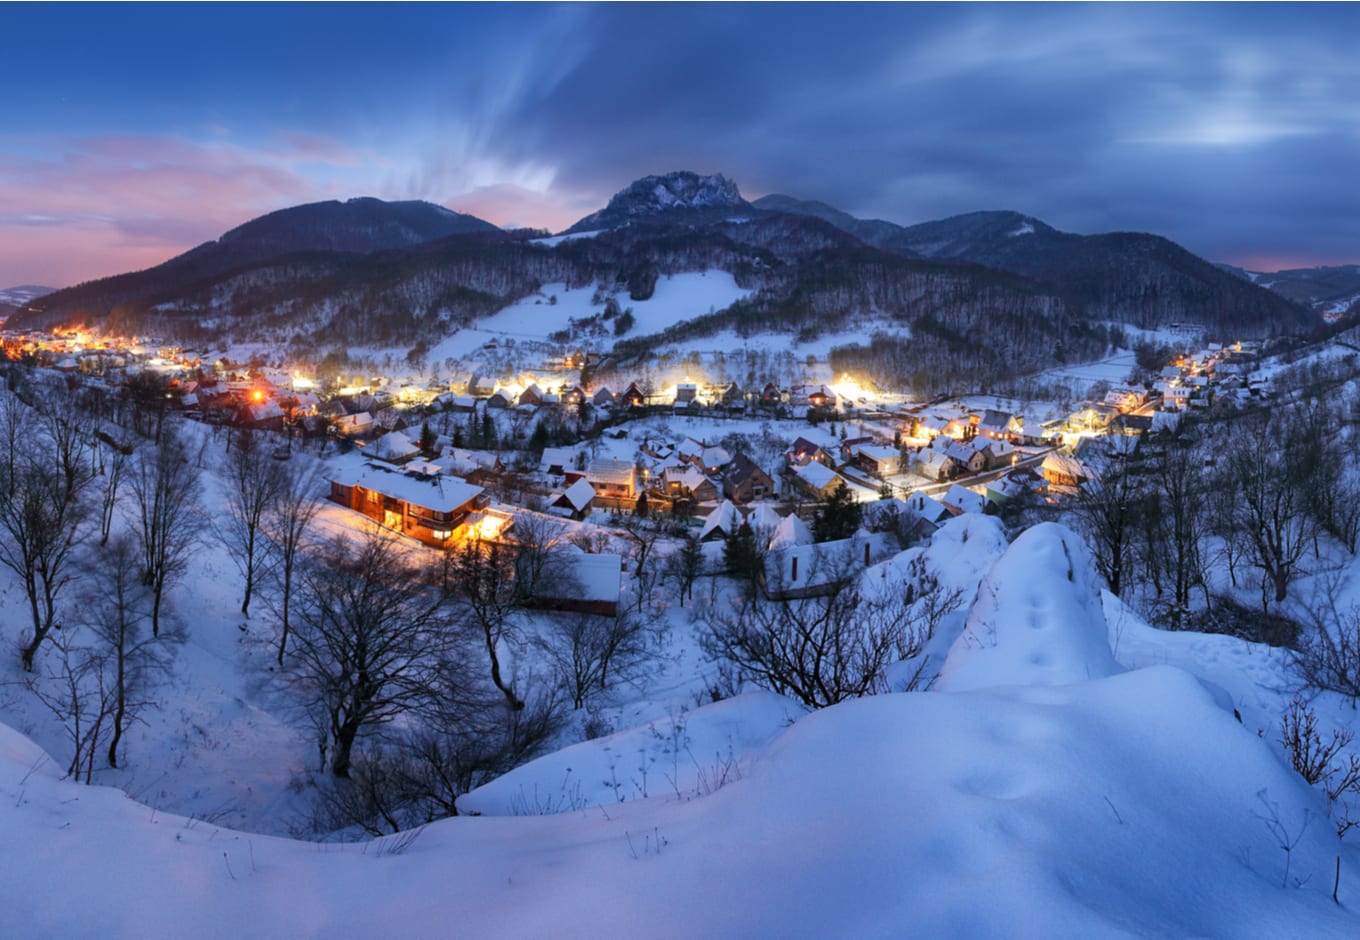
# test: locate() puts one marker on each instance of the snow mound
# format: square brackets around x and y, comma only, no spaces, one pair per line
[684,756]
[1129,806]
[1038,619]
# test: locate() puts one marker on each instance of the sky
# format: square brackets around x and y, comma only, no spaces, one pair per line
[131,133]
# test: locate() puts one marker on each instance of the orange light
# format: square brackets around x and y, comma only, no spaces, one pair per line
[259,396]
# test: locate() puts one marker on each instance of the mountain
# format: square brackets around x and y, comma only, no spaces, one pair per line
[1327,290]
[874,232]
[675,197]
[1134,278]
[355,227]
[13,298]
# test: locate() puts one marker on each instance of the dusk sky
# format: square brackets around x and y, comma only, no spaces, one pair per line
[129,134]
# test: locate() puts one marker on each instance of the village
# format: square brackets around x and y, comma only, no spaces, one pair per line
[464,458]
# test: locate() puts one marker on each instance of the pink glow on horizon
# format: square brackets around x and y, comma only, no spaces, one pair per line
[508,205]
[1269,264]
[76,209]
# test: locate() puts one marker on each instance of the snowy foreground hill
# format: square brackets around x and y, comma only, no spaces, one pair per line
[1052,785]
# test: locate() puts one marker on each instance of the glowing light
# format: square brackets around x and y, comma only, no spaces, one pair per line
[258,395]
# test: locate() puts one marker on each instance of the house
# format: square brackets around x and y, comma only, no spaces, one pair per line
[933,426]
[789,532]
[580,582]
[481,386]
[999,426]
[1062,470]
[879,459]
[997,453]
[817,480]
[603,398]
[764,522]
[721,523]
[1125,399]
[814,446]
[927,507]
[958,500]
[533,395]
[971,456]
[1003,489]
[575,500]
[502,398]
[685,393]
[426,506]
[710,459]
[935,465]
[353,425]
[689,482]
[771,394]
[798,571]
[612,478]
[393,447]
[633,396]
[557,460]
[744,481]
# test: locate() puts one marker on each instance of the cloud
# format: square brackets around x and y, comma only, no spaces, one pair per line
[116,203]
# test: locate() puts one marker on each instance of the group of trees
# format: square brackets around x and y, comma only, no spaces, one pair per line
[1258,493]
[423,681]
[100,511]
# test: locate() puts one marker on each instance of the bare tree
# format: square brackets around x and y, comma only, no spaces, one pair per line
[1178,521]
[69,430]
[42,523]
[537,540]
[117,608]
[587,650]
[168,522]
[1328,655]
[1107,510]
[113,459]
[818,649]
[367,640]
[77,693]
[686,564]
[479,577]
[255,482]
[1270,505]
[288,521]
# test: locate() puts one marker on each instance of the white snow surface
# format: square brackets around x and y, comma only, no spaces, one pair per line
[1061,797]
[1038,618]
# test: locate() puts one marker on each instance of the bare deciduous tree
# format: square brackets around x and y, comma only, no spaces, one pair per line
[1269,507]
[288,521]
[42,524]
[76,691]
[166,488]
[479,577]
[255,483]
[367,640]
[821,649]
[117,608]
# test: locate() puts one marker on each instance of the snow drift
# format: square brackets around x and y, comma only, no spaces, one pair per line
[1038,618]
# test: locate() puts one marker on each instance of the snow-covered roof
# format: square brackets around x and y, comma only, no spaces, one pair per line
[438,492]
[964,499]
[593,577]
[579,494]
[880,452]
[616,472]
[393,445]
[564,457]
[790,531]
[726,519]
[764,518]
[798,568]
[816,475]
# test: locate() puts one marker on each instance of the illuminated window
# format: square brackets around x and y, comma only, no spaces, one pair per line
[441,534]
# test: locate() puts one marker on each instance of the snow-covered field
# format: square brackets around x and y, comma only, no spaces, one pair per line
[1075,773]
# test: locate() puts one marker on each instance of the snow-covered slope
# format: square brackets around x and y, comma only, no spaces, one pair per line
[1027,802]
